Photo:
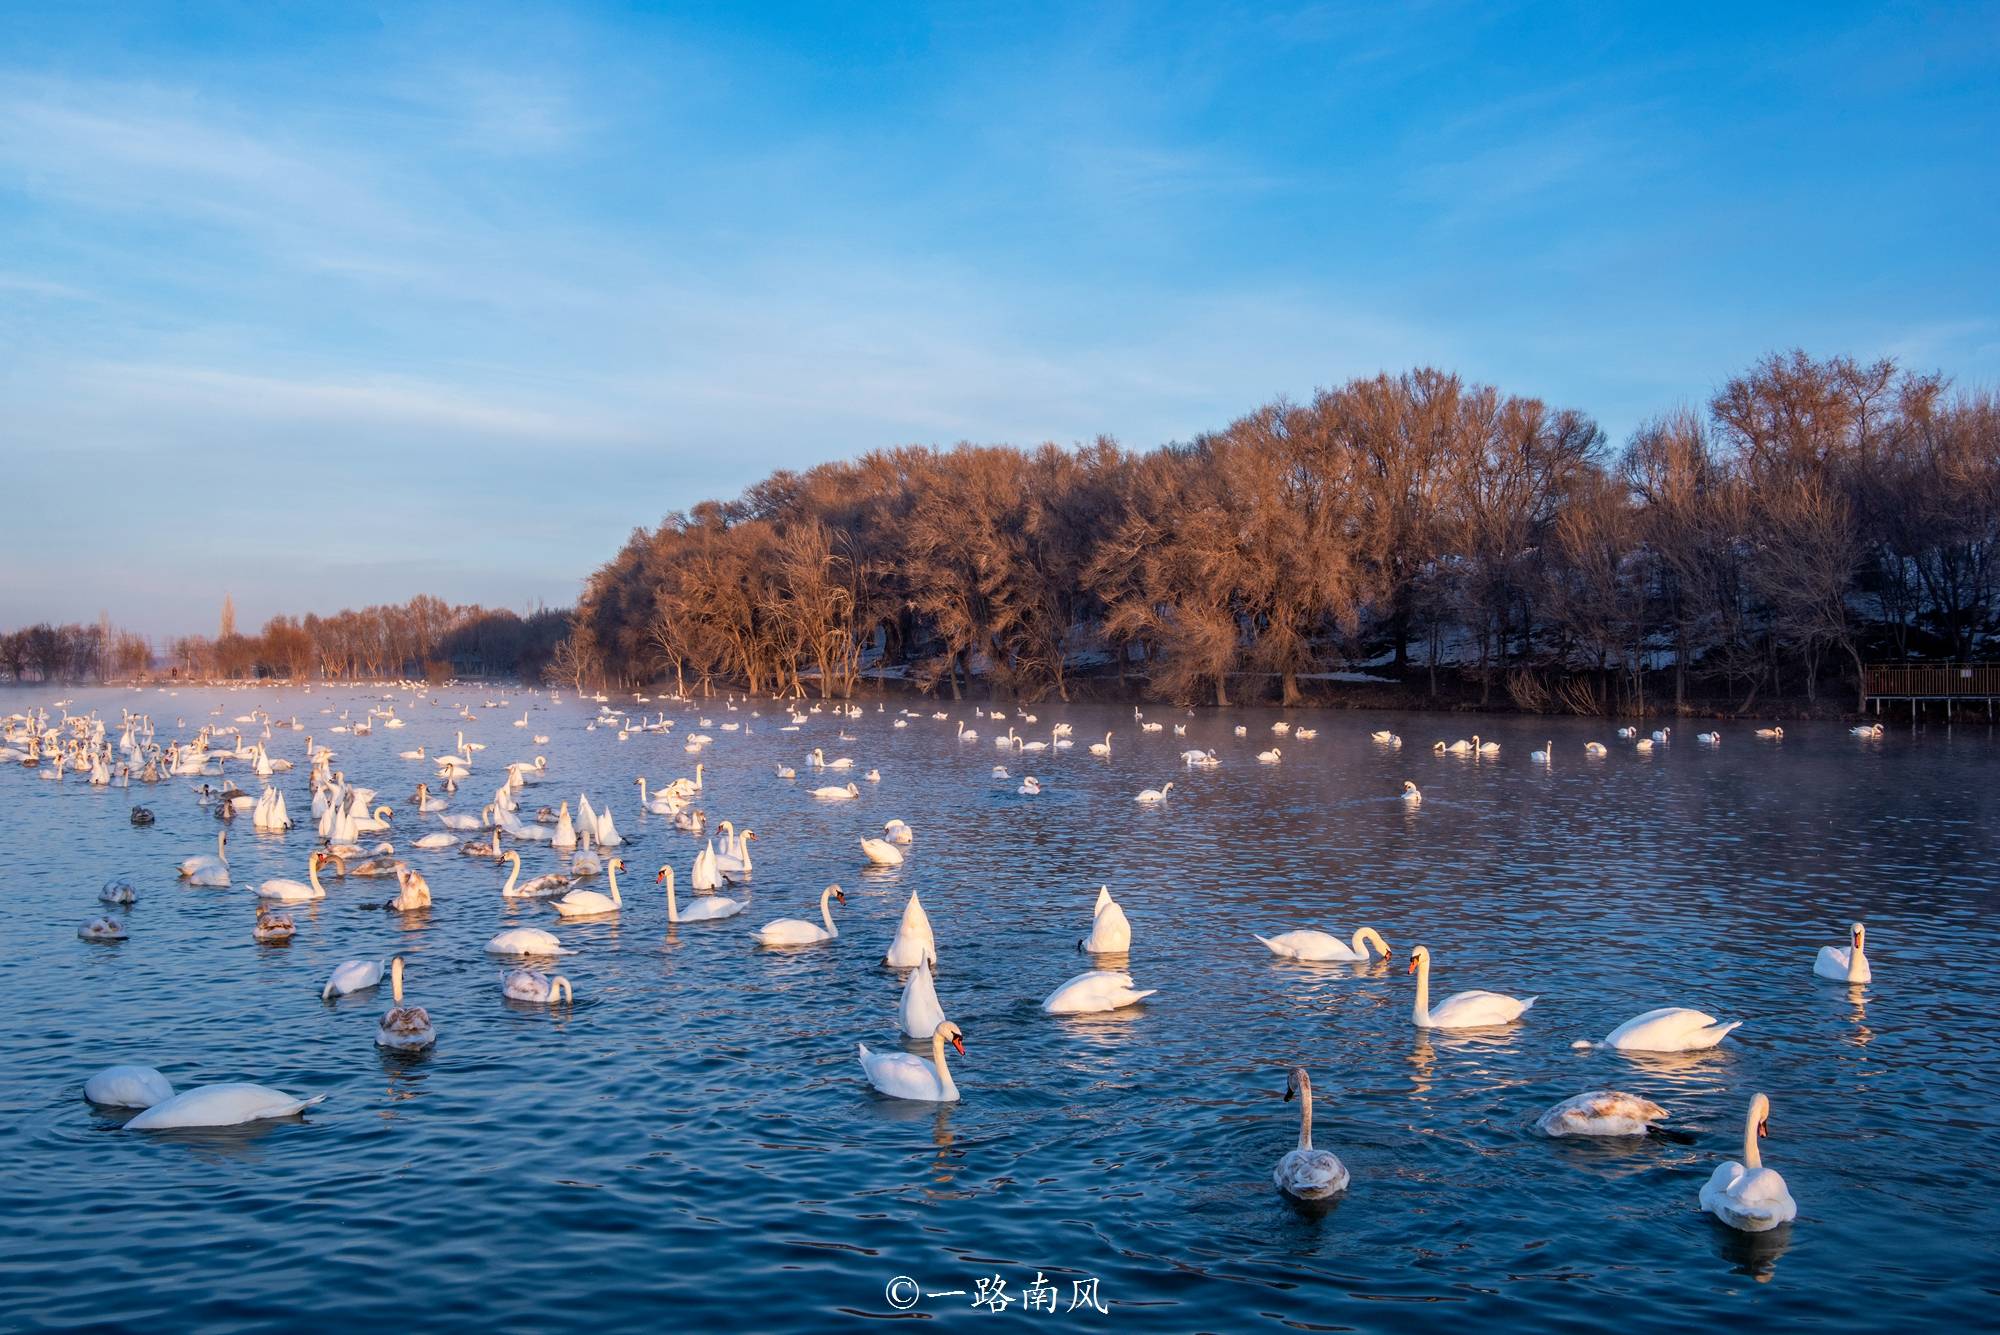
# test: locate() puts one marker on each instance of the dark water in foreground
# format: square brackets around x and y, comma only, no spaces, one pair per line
[694,1142]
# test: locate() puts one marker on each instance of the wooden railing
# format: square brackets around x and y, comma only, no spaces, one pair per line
[1935,681]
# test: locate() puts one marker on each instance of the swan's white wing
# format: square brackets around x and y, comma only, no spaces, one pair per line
[1307,944]
[1471,1010]
[1669,1029]
[1601,1112]
[902,1076]
[219,1105]
[1310,1174]
[919,1012]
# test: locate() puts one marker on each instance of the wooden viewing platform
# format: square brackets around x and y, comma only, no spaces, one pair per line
[1920,682]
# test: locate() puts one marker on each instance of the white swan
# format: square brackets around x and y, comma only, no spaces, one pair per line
[526,941]
[351,976]
[881,852]
[592,903]
[1543,757]
[897,832]
[830,793]
[128,1087]
[918,1013]
[1668,1029]
[220,1105]
[403,1028]
[1412,794]
[1747,1195]
[1601,1112]
[1709,738]
[1848,963]
[1307,944]
[1098,990]
[915,943]
[1270,757]
[1776,734]
[1484,748]
[1305,1173]
[286,891]
[1380,735]
[1030,787]
[205,869]
[1596,749]
[1155,794]
[541,988]
[1867,730]
[1110,930]
[797,931]
[1461,1010]
[703,908]
[1644,746]
[1102,748]
[903,1076]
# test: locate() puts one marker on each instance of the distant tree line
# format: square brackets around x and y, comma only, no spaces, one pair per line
[1448,534]
[423,637]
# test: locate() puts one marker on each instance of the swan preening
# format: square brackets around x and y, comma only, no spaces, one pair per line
[1306,1173]
[1601,1112]
[1461,1010]
[1747,1195]
[881,852]
[1848,963]
[1307,944]
[1668,1029]
[903,1076]
[799,932]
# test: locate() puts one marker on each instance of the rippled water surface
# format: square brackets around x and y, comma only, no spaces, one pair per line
[693,1142]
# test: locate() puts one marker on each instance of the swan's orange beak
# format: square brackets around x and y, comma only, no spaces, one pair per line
[661,878]
[959,1044]
[840,895]
[1413,965]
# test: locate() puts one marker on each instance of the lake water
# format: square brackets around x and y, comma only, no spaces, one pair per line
[693,1143]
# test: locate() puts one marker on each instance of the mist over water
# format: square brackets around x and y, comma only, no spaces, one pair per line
[693,1141]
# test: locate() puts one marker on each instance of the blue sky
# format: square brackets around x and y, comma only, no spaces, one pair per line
[332,305]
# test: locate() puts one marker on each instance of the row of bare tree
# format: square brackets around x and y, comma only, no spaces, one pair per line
[1817,511]
[425,636]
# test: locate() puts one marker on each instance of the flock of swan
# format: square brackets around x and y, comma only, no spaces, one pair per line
[348,820]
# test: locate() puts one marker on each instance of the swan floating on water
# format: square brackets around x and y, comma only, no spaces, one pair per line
[1668,1029]
[128,1087]
[1747,1195]
[1601,1112]
[919,1013]
[1155,794]
[1461,1010]
[1306,1173]
[799,932]
[901,1075]
[351,976]
[1308,944]
[526,941]
[106,928]
[1848,963]
[1110,931]
[1412,794]
[915,943]
[881,852]
[403,1028]
[592,903]
[703,908]
[541,988]
[220,1105]
[1093,992]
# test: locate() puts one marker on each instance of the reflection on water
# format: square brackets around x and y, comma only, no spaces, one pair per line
[694,1135]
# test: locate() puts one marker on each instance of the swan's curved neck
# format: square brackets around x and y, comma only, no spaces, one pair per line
[1751,1158]
[1423,1008]
[673,909]
[611,870]
[312,874]
[826,912]
[513,875]
[1305,1111]
[1363,936]
[937,1055]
